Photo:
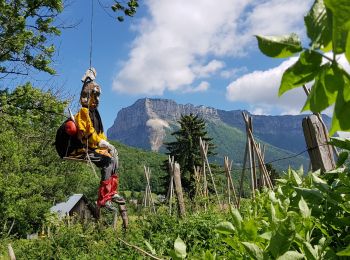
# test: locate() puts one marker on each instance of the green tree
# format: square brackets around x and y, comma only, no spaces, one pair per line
[32,177]
[25,29]
[328,28]
[186,148]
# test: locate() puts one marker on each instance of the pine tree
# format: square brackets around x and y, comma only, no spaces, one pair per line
[186,149]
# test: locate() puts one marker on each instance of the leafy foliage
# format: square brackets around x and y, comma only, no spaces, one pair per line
[25,29]
[304,216]
[127,8]
[328,27]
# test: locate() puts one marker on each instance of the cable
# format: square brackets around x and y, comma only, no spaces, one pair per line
[91,30]
[285,158]
[104,9]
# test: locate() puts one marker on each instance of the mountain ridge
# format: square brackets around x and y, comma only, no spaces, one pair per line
[149,121]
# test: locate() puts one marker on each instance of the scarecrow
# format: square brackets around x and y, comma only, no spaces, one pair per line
[98,150]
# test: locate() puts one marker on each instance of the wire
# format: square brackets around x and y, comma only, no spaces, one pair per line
[104,9]
[285,158]
[91,30]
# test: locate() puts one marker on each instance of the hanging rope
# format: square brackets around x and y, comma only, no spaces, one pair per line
[91,30]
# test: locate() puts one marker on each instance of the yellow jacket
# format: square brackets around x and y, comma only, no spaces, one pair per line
[86,129]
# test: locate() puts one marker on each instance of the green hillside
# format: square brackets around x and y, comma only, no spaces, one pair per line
[231,142]
[131,168]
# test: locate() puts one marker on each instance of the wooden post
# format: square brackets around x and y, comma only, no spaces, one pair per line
[148,200]
[204,150]
[11,252]
[198,179]
[230,186]
[253,169]
[251,154]
[321,153]
[242,174]
[171,184]
[258,153]
[178,189]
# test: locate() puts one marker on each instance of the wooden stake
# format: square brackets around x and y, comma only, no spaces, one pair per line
[230,186]
[11,252]
[321,154]
[204,150]
[178,189]
[258,153]
[148,193]
[253,154]
[171,185]
[242,174]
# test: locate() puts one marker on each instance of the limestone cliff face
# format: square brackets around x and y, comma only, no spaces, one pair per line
[146,123]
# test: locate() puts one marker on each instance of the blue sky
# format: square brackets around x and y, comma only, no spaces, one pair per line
[201,52]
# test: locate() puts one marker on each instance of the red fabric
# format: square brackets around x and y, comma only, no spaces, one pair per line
[107,190]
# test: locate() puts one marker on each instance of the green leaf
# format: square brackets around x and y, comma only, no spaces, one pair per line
[343,156]
[340,120]
[319,183]
[266,235]
[324,91]
[291,255]
[209,256]
[237,218]
[347,47]
[304,209]
[340,142]
[273,217]
[310,251]
[279,46]
[180,248]
[253,250]
[317,27]
[345,252]
[282,238]
[225,227]
[297,180]
[149,246]
[302,72]
[311,195]
[341,23]
[250,229]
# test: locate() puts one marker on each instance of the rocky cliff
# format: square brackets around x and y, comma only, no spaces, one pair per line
[144,123]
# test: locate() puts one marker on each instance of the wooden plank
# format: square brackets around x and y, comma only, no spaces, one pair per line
[320,153]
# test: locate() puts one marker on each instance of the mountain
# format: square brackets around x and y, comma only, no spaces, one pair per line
[149,122]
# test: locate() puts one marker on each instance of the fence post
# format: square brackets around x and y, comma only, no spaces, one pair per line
[320,153]
[178,189]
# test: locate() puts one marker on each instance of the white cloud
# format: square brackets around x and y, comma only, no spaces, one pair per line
[232,73]
[202,87]
[260,88]
[207,70]
[174,43]
[276,17]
